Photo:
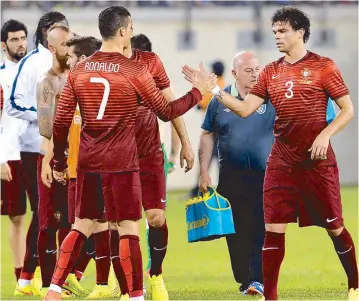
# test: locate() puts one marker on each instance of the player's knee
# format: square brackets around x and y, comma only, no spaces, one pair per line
[277,228]
[17,221]
[128,227]
[85,226]
[156,218]
[112,226]
[335,232]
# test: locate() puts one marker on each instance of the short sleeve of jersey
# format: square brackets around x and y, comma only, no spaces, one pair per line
[333,82]
[208,122]
[159,74]
[260,88]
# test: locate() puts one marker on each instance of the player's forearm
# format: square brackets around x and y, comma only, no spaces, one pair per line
[340,121]
[241,108]
[60,144]
[205,152]
[50,151]
[179,106]
[175,141]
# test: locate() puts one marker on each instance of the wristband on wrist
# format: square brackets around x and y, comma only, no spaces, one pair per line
[216,90]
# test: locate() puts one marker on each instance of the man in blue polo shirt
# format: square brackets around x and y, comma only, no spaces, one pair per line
[243,148]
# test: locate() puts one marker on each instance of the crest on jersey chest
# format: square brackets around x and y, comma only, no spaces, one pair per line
[306,76]
[262,109]
[77,119]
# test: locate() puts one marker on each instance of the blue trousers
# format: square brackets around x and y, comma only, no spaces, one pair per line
[244,190]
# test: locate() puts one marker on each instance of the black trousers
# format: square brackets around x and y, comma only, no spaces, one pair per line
[244,190]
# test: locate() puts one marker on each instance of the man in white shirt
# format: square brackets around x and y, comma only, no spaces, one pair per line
[13,196]
[22,105]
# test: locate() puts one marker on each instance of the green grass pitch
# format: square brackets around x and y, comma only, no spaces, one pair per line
[201,271]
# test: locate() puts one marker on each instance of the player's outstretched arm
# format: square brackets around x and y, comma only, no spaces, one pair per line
[242,108]
[62,122]
[46,98]
[166,111]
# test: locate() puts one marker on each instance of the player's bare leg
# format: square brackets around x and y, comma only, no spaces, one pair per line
[17,242]
[157,239]
[344,246]
[103,261]
[69,252]
[273,253]
[131,257]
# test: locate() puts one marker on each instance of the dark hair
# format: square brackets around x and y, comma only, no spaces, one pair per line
[218,68]
[45,22]
[111,19]
[141,42]
[11,26]
[84,45]
[295,17]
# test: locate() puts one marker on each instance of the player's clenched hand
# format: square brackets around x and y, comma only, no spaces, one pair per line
[319,147]
[46,173]
[61,176]
[188,156]
[6,172]
[204,181]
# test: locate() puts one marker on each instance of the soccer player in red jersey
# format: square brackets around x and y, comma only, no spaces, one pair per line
[108,88]
[152,175]
[301,181]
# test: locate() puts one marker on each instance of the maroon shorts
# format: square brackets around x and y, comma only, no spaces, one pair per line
[71,199]
[13,195]
[110,196]
[29,170]
[153,182]
[310,196]
[52,203]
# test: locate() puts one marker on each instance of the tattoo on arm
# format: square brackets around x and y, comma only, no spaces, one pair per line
[46,96]
[220,95]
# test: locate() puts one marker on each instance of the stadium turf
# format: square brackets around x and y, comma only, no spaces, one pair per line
[201,271]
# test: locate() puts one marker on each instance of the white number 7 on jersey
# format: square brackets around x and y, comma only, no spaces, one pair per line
[106,93]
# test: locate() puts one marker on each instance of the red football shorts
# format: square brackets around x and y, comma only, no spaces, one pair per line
[52,202]
[310,196]
[13,195]
[153,181]
[110,196]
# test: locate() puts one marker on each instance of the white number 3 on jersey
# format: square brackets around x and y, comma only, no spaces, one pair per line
[289,86]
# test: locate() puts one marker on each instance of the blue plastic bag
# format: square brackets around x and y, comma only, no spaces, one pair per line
[208,217]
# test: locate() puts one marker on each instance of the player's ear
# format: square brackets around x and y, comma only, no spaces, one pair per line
[121,31]
[3,46]
[301,32]
[82,57]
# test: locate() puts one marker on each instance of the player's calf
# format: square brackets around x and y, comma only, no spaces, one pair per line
[131,257]
[344,246]
[69,252]
[17,242]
